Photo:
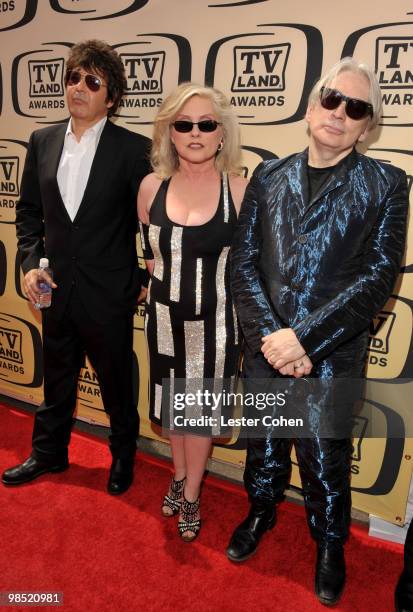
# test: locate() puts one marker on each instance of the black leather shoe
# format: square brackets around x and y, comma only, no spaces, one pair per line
[246,537]
[403,597]
[330,574]
[120,476]
[29,470]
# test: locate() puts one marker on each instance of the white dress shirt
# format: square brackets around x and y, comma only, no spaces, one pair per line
[75,163]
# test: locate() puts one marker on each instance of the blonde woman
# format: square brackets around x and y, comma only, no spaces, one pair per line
[188,210]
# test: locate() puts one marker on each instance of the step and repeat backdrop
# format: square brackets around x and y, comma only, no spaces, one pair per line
[265,55]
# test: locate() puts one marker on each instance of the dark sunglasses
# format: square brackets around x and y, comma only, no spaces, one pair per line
[355,109]
[207,125]
[93,82]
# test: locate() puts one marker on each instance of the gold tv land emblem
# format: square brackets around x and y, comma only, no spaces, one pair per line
[390,335]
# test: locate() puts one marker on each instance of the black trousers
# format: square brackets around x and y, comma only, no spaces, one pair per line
[110,350]
[324,466]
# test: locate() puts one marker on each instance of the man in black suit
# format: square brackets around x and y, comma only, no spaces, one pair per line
[78,208]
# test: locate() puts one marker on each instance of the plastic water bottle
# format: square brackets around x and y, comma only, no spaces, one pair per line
[45,290]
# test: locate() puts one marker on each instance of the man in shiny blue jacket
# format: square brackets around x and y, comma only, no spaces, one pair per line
[315,257]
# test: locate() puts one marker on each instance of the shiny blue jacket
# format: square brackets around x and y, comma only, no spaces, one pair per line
[323,267]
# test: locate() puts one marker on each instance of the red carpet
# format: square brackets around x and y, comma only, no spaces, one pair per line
[64,533]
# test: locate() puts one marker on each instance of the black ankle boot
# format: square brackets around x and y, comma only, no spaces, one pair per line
[403,597]
[330,574]
[246,537]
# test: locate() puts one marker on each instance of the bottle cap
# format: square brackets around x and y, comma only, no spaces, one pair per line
[44,263]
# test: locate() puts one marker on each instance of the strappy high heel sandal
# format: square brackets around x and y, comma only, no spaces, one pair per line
[189,522]
[173,499]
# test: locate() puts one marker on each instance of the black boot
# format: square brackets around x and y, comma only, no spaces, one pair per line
[246,537]
[330,575]
[403,597]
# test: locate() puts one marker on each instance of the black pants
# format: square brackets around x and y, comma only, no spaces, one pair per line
[110,350]
[324,466]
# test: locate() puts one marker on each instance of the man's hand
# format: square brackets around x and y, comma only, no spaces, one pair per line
[31,283]
[281,348]
[299,368]
[142,295]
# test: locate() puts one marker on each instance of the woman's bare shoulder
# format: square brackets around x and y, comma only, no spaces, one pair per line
[150,184]
[147,191]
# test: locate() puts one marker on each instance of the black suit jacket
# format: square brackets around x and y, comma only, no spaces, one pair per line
[96,252]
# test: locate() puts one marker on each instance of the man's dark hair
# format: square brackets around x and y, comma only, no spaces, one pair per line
[98,57]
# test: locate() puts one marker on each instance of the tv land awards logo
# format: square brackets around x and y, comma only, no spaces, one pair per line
[271,71]
[97,9]
[144,73]
[379,435]
[45,79]
[20,352]
[259,69]
[390,51]
[379,339]
[394,68]
[394,62]
[38,83]
[9,173]
[11,347]
[12,155]
[88,387]
[153,67]
[389,343]
[16,13]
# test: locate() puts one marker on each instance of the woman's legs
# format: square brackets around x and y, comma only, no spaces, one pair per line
[196,451]
[190,455]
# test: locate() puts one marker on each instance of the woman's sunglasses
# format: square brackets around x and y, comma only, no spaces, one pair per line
[93,82]
[355,109]
[207,125]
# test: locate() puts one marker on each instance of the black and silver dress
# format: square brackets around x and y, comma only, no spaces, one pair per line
[191,328]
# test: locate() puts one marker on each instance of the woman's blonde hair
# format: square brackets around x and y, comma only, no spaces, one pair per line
[351,65]
[164,158]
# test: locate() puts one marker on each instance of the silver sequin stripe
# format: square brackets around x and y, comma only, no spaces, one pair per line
[194,361]
[154,232]
[194,349]
[221,332]
[171,398]
[226,200]
[143,243]
[198,286]
[158,401]
[165,338]
[176,263]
